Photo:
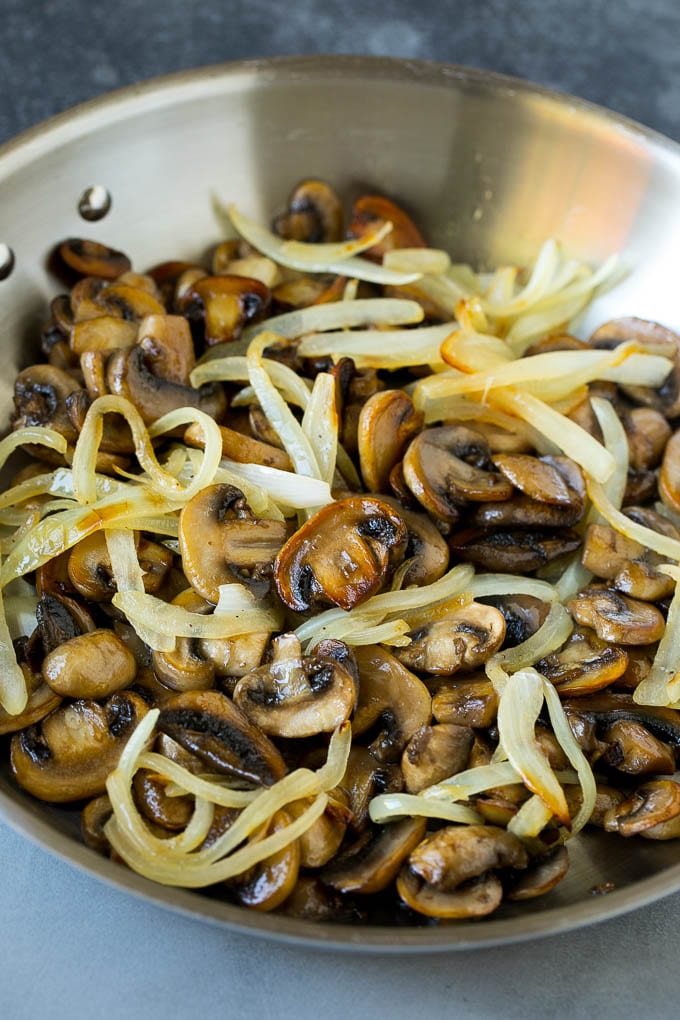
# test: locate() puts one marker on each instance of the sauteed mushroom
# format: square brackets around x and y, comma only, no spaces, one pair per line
[341,555]
[450,874]
[435,753]
[615,617]
[228,303]
[466,702]
[296,695]
[625,562]
[513,550]
[447,467]
[371,209]
[40,394]
[633,749]
[465,639]
[314,214]
[90,258]
[209,725]
[371,864]
[387,422]
[69,755]
[91,665]
[585,664]
[389,693]
[269,883]
[652,811]
[222,542]
[90,571]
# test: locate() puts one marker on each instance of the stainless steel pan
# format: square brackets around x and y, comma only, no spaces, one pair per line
[489,166]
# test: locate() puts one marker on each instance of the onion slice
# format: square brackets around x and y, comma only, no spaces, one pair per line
[345,314]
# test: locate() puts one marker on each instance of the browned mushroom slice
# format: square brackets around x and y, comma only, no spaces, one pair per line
[523,512]
[314,214]
[93,818]
[369,210]
[341,555]
[70,754]
[90,571]
[209,725]
[606,797]
[165,276]
[296,695]
[435,753]
[184,668]
[608,707]
[647,432]
[513,550]
[59,619]
[169,348]
[387,422]
[234,657]
[120,301]
[90,258]
[617,618]
[665,398]
[640,487]
[241,448]
[90,665]
[468,702]
[476,898]
[426,548]
[41,701]
[365,778]
[435,880]
[128,375]
[627,563]
[172,813]
[116,434]
[542,875]
[372,864]
[101,333]
[523,615]
[584,665]
[222,542]
[465,639]
[322,840]
[447,467]
[93,368]
[228,303]
[311,900]
[652,810]
[390,694]
[537,478]
[631,748]
[669,476]
[40,394]
[265,886]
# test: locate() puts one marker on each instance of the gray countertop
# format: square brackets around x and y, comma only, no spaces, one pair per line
[72,947]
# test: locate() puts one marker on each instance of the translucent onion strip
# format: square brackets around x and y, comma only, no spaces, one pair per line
[297,491]
[210,790]
[531,819]
[662,544]
[31,434]
[551,635]
[320,425]
[417,260]
[485,585]
[390,349]
[473,781]
[386,807]
[13,689]
[339,315]
[279,415]
[567,741]
[658,687]
[616,442]
[519,707]
[340,258]
[293,387]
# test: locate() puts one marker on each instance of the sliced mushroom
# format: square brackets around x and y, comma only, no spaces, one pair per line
[92,665]
[585,664]
[314,214]
[234,657]
[469,702]
[296,695]
[390,694]
[631,748]
[242,448]
[669,475]
[90,258]
[119,301]
[365,778]
[168,345]
[617,618]
[652,810]
[523,615]
[513,550]
[209,725]
[447,467]
[542,875]
[647,432]
[69,755]
[227,304]
[435,753]
[369,210]
[93,818]
[184,668]
[372,864]
[173,813]
[387,423]
[128,375]
[41,701]
[665,398]
[40,394]
[321,841]
[223,542]
[101,334]
[310,900]
[341,556]
[627,563]
[116,434]
[608,707]
[426,548]
[59,619]
[265,886]
[523,512]
[436,880]
[606,797]
[465,639]
[90,571]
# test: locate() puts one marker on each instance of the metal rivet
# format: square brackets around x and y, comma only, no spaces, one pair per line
[6,261]
[94,203]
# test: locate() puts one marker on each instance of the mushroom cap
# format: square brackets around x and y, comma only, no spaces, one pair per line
[465,639]
[477,898]
[371,864]
[455,854]
[341,555]
[92,665]
[389,691]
